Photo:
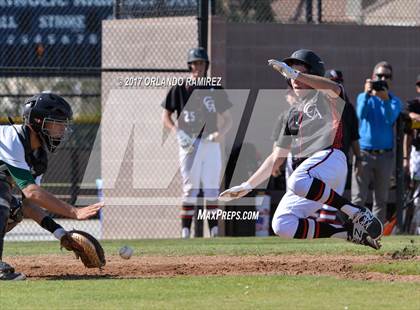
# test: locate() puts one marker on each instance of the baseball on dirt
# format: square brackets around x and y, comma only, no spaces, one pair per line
[126,252]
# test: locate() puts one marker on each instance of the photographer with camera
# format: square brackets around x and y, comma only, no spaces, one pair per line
[377,109]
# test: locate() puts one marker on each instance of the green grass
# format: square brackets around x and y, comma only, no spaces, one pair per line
[224,292]
[227,246]
[398,267]
[229,292]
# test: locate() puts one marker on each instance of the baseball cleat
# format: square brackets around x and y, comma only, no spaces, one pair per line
[214,232]
[5,267]
[364,240]
[375,244]
[12,276]
[365,222]
[185,234]
[7,272]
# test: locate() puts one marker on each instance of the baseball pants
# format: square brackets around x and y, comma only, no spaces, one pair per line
[329,166]
[202,166]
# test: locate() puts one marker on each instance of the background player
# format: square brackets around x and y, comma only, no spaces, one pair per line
[412,158]
[199,152]
[350,141]
[23,160]
[320,178]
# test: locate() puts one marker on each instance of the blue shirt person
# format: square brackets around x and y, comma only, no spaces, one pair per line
[377,117]
[377,110]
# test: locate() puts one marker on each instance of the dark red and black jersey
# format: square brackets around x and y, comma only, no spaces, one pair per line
[350,126]
[313,124]
[197,107]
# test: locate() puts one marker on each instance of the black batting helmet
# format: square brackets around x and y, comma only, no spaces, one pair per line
[196,54]
[44,111]
[308,58]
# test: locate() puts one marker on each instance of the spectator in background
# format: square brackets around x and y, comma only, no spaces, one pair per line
[377,109]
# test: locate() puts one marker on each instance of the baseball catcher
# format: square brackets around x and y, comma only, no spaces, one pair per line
[23,160]
[319,163]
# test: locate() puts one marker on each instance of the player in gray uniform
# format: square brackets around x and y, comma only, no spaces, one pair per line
[203,119]
[23,160]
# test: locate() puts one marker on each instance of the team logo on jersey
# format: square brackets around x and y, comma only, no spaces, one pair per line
[311,111]
[209,103]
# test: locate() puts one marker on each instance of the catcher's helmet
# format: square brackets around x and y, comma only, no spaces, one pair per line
[49,115]
[309,58]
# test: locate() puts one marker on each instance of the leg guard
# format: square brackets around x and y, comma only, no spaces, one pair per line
[5,198]
[4,216]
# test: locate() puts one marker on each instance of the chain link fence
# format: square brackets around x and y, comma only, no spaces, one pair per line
[161,33]
[359,12]
[57,46]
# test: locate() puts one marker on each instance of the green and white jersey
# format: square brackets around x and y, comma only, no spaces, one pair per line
[12,157]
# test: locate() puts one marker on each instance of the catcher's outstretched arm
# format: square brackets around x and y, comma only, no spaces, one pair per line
[41,197]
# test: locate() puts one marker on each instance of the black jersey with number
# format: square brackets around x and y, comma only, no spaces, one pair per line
[197,107]
[414,107]
[350,127]
[311,125]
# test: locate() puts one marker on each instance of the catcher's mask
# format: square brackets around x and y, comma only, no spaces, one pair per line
[50,116]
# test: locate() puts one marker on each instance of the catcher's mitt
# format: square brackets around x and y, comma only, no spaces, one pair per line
[86,247]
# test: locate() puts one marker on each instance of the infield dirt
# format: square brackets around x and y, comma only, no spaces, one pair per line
[61,267]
